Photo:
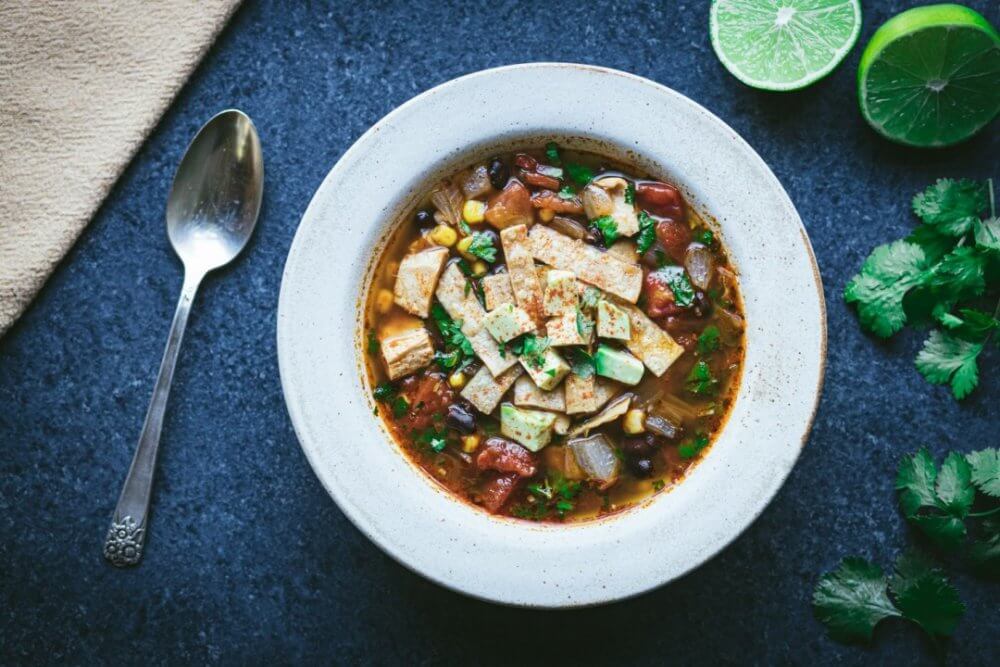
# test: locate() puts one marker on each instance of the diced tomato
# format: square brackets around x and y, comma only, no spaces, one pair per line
[505,456]
[526,162]
[428,396]
[674,236]
[510,207]
[661,199]
[496,490]
[552,201]
[660,301]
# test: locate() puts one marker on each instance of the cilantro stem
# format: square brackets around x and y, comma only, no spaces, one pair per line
[982,514]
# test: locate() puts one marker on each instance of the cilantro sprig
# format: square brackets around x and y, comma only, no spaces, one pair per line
[857,596]
[458,352]
[608,228]
[482,247]
[939,503]
[555,494]
[947,273]
[647,233]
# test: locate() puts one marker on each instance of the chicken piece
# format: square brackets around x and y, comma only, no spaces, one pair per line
[510,207]
[485,391]
[649,342]
[497,290]
[566,330]
[462,306]
[417,278]
[523,275]
[407,352]
[528,395]
[600,269]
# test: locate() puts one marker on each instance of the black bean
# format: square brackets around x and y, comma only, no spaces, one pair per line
[424,218]
[638,447]
[702,304]
[499,173]
[641,468]
[460,419]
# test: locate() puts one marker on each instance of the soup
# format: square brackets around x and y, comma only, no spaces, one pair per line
[554,336]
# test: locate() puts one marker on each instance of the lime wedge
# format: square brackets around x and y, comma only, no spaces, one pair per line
[783,44]
[931,76]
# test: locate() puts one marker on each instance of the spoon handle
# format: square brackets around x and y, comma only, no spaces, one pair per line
[123,545]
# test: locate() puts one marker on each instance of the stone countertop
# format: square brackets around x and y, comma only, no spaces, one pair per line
[250,561]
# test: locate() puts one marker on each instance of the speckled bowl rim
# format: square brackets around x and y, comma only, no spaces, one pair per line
[297,353]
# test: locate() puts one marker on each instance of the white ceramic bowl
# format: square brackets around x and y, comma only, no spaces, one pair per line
[320,338]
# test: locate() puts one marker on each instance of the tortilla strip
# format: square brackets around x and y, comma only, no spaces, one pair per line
[485,391]
[523,275]
[600,269]
[462,304]
[654,346]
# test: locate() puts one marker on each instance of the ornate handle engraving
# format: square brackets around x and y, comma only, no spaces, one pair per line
[123,545]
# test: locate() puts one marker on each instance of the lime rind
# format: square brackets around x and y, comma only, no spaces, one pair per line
[814,36]
[924,48]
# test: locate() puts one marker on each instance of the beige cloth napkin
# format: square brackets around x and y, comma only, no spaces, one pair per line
[81,85]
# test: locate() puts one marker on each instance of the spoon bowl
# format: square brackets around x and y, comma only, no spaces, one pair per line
[215,199]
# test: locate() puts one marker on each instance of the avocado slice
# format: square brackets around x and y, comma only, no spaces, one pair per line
[617,365]
[507,322]
[531,428]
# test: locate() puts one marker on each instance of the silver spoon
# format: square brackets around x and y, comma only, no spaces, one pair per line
[211,213]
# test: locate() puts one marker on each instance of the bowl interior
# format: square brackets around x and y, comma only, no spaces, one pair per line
[320,334]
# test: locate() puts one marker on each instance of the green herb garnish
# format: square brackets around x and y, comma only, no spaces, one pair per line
[708,340]
[855,597]
[584,325]
[399,407]
[608,228]
[658,484]
[552,153]
[384,391]
[567,192]
[531,349]
[482,247]
[706,237]
[938,275]
[373,344]
[690,448]
[647,232]
[435,440]
[579,173]
[590,297]
[581,362]
[679,284]
[630,193]
[700,380]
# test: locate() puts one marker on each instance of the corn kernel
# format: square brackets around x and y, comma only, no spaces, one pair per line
[546,214]
[383,301]
[463,247]
[474,211]
[470,443]
[479,268]
[444,235]
[633,422]
[457,380]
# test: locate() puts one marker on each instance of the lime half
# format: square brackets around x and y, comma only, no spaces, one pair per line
[783,44]
[931,76]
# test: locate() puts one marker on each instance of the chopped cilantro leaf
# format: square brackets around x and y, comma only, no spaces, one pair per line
[531,349]
[630,193]
[708,340]
[399,407]
[608,228]
[700,380]
[590,297]
[584,325]
[852,600]
[985,471]
[435,440]
[581,362]
[947,359]
[579,173]
[647,232]
[886,276]
[482,247]
[552,153]
[690,448]
[566,192]
[951,206]
[680,285]
[706,237]
[661,259]
[658,484]
[923,595]
[373,344]
[384,391]
[987,234]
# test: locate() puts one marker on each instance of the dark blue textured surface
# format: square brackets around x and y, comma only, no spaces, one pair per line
[249,559]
